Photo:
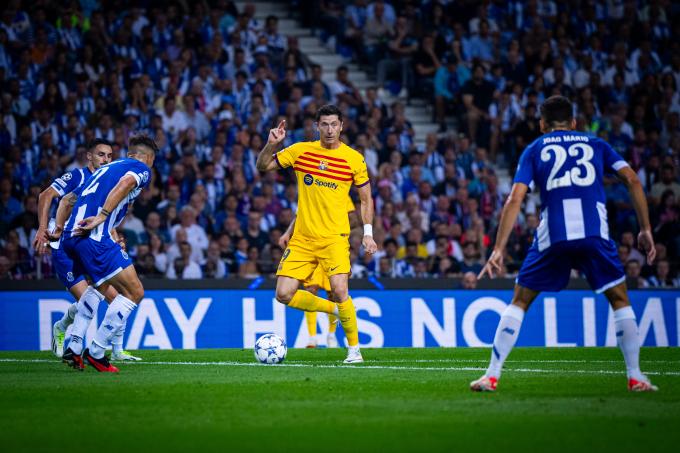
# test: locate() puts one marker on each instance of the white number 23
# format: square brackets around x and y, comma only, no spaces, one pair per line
[575,174]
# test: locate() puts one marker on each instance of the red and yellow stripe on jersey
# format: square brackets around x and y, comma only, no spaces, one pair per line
[324,179]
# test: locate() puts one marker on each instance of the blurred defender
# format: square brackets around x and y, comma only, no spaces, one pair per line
[99,153]
[88,241]
[568,167]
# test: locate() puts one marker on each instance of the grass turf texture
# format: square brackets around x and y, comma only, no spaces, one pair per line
[399,400]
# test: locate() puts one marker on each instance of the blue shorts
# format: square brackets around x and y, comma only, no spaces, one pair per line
[100,260]
[63,266]
[550,269]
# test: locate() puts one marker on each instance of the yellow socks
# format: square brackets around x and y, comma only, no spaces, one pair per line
[306,301]
[310,317]
[348,318]
[332,323]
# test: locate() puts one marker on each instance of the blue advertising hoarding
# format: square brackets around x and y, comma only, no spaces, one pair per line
[188,319]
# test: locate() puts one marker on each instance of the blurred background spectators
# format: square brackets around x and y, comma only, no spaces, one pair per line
[207,79]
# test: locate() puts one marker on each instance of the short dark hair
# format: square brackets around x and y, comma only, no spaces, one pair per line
[142,140]
[556,109]
[96,142]
[390,241]
[328,109]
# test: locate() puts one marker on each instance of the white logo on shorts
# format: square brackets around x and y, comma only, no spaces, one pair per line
[69,276]
[125,255]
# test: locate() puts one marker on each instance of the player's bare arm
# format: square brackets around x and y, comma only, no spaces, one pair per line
[508,218]
[126,185]
[44,202]
[637,195]
[265,160]
[367,216]
[285,237]
[63,212]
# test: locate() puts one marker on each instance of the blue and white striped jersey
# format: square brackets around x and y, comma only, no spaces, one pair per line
[71,180]
[92,195]
[568,168]
[65,184]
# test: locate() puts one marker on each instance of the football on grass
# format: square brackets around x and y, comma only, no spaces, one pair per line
[270,349]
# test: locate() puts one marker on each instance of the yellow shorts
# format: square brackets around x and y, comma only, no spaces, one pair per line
[318,278]
[303,256]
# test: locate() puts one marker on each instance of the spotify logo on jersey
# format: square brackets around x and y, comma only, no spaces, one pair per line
[308,179]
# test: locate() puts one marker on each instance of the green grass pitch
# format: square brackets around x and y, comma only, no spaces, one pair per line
[399,400]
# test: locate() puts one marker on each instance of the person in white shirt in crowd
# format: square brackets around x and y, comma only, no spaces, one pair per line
[174,121]
[195,234]
[184,267]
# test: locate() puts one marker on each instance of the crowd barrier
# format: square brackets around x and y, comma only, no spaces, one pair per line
[416,317]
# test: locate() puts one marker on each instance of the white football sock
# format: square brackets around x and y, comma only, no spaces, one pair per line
[86,309]
[116,316]
[68,317]
[628,341]
[117,340]
[505,338]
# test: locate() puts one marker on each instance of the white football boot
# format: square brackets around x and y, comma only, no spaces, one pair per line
[353,355]
[124,356]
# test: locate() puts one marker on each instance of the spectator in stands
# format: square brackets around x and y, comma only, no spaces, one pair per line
[469,281]
[209,81]
[662,276]
[184,267]
[478,94]
[632,268]
[668,182]
[195,234]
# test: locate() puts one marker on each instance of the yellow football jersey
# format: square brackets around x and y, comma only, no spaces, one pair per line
[324,179]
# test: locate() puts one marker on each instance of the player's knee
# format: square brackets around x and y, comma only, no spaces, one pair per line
[339,293]
[135,293]
[284,295]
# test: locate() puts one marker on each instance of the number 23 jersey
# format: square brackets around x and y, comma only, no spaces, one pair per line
[568,168]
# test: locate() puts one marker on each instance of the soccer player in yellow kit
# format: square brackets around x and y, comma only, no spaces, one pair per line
[318,280]
[326,170]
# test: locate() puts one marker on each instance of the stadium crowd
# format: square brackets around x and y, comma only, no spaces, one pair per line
[207,81]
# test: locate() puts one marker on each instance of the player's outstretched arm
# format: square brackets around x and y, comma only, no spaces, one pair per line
[121,190]
[637,195]
[508,217]
[367,216]
[285,237]
[265,160]
[44,201]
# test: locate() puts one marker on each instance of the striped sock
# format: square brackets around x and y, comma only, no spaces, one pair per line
[117,340]
[69,316]
[116,316]
[86,311]
[505,338]
[629,343]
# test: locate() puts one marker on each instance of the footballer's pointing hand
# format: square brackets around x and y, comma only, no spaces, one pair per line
[494,266]
[370,245]
[277,135]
